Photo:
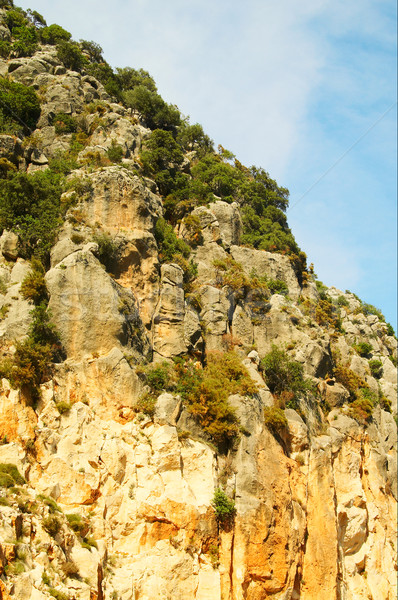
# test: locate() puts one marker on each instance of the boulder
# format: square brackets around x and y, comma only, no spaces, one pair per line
[91,312]
[168,320]
[9,245]
[229,221]
[269,264]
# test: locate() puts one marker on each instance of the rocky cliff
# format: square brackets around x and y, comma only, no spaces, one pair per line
[218,426]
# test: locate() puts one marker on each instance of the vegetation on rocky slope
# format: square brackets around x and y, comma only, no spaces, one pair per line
[167,266]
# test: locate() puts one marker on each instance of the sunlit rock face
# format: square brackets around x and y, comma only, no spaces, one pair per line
[108,477]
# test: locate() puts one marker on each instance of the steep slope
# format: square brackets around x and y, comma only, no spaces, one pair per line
[186,412]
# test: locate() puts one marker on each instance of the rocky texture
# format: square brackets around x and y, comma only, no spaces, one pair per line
[274,266]
[168,320]
[92,312]
[315,501]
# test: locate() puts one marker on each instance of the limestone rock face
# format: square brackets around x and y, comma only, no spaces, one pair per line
[9,245]
[272,265]
[120,202]
[93,314]
[229,220]
[168,320]
[115,497]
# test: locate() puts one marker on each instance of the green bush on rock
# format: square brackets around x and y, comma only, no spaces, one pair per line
[224,507]
[19,107]
[285,377]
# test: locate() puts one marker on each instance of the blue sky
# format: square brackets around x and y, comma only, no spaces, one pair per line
[299,88]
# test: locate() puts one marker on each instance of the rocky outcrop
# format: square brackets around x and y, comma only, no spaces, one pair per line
[114,497]
[168,320]
[93,314]
[274,266]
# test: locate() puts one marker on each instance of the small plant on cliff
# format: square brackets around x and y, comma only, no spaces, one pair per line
[19,107]
[205,393]
[363,348]
[275,419]
[10,476]
[57,594]
[115,152]
[107,250]
[224,507]
[350,380]
[64,123]
[376,368]
[30,206]
[158,376]
[52,525]
[33,286]
[146,404]
[285,377]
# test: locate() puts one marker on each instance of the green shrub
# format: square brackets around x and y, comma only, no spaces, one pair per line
[29,367]
[193,228]
[3,286]
[76,522]
[30,206]
[285,377]
[161,159]
[16,17]
[232,274]
[45,578]
[6,480]
[93,50]
[350,380]
[129,79]
[115,153]
[12,471]
[363,348]
[205,393]
[57,594]
[342,301]
[276,286]
[369,309]
[5,48]
[70,55]
[376,368]
[155,111]
[275,419]
[64,123]
[192,137]
[362,408]
[19,105]
[385,403]
[33,286]
[107,250]
[323,311]
[89,543]
[25,43]
[169,244]
[146,404]
[54,34]
[63,407]
[52,525]
[77,238]
[224,507]
[50,502]
[158,376]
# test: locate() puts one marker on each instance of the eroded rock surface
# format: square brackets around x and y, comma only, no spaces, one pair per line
[115,497]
